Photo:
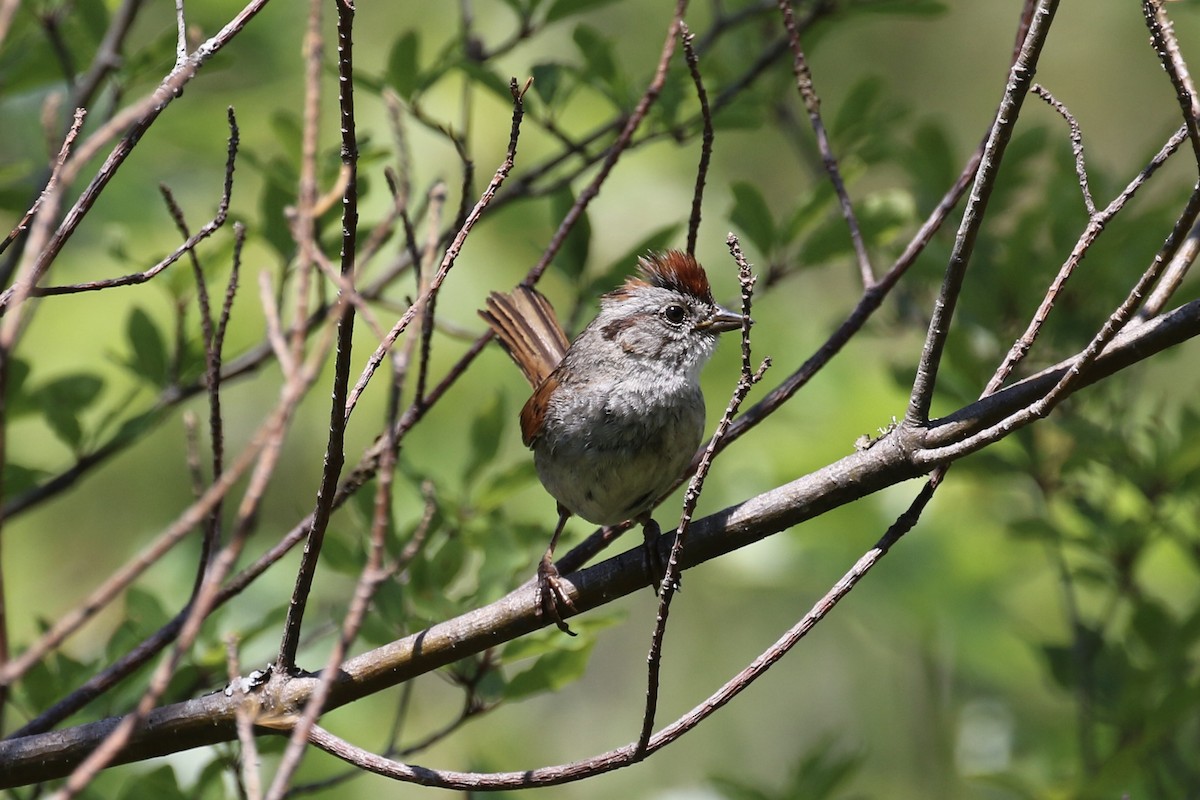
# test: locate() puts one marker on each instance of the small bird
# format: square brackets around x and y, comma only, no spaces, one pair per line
[615,416]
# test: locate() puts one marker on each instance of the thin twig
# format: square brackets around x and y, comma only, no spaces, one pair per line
[1166,46]
[451,254]
[245,721]
[209,228]
[706,140]
[137,118]
[812,103]
[1019,80]
[335,456]
[670,582]
[212,373]
[373,574]
[437,201]
[181,52]
[1173,275]
[1076,144]
[619,146]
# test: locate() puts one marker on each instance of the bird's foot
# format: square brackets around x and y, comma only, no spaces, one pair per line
[552,596]
[654,560]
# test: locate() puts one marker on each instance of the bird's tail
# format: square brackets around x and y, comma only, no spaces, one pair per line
[528,329]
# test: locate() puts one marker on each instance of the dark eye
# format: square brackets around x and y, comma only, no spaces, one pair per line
[675,314]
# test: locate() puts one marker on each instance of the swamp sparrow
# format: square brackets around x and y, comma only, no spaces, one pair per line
[616,416]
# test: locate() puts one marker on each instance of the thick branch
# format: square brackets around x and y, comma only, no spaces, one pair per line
[212,718]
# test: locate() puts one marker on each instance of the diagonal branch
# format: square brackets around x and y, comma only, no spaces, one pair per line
[812,103]
[893,459]
[1020,79]
[139,116]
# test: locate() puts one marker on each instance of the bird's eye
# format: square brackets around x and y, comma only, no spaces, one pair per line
[674,314]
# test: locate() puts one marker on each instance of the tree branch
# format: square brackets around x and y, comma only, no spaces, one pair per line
[889,461]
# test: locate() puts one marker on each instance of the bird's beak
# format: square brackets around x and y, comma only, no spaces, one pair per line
[723,320]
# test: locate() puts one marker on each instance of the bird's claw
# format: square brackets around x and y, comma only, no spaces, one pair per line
[552,596]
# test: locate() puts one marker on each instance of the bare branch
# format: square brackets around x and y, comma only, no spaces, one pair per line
[706,140]
[245,722]
[209,228]
[670,581]
[649,96]
[1019,80]
[335,455]
[812,103]
[141,115]
[1076,144]
[451,253]
[1166,46]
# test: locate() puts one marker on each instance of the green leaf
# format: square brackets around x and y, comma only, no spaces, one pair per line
[144,609]
[486,429]
[753,216]
[19,402]
[487,78]
[550,640]
[866,125]
[932,163]
[1154,625]
[160,784]
[504,483]
[565,8]
[149,360]
[74,392]
[550,672]
[52,677]
[18,479]
[63,400]
[288,132]
[600,62]
[812,209]
[905,8]
[549,80]
[883,215]
[623,265]
[390,605]
[403,64]
[94,16]
[440,564]
[342,553]
[209,784]
[572,257]
[830,240]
